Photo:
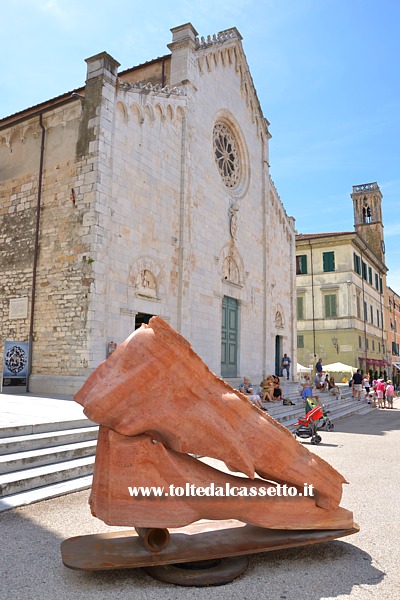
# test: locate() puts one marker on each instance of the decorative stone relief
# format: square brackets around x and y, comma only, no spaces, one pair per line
[234,220]
[230,270]
[146,284]
[279,324]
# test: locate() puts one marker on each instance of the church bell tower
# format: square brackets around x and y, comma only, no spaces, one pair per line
[367,205]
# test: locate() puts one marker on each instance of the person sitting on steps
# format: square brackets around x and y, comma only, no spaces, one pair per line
[247,389]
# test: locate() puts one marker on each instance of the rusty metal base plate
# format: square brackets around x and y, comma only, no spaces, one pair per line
[200,574]
[204,540]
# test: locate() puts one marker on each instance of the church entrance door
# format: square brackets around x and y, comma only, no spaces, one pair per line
[278,354]
[229,337]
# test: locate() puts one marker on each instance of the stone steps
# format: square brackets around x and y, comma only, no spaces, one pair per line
[35,441]
[22,481]
[338,408]
[45,460]
[45,492]
[20,461]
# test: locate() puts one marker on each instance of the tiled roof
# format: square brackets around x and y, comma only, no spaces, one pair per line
[307,236]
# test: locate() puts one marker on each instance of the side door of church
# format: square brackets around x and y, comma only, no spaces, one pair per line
[229,337]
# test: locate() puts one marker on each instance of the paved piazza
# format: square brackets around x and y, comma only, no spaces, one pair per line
[364,449]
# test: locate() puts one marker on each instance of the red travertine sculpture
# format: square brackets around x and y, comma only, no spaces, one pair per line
[157,402]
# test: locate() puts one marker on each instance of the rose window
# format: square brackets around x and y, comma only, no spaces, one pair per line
[226,155]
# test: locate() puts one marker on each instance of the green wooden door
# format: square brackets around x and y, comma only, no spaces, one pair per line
[229,337]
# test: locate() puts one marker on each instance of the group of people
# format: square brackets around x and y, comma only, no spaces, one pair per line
[326,383]
[377,392]
[269,390]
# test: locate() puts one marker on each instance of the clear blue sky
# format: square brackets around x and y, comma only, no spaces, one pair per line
[326,73]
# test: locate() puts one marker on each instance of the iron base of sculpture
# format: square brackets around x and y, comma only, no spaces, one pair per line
[201,541]
[202,573]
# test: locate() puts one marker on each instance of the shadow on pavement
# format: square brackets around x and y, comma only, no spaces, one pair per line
[32,568]
[377,422]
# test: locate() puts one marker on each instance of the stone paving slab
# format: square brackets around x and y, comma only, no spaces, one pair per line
[30,409]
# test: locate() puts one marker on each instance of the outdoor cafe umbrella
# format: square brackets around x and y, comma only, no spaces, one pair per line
[339,367]
[301,369]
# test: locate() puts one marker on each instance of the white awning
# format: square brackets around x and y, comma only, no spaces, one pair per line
[397,365]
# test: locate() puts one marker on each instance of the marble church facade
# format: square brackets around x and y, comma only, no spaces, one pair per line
[146,192]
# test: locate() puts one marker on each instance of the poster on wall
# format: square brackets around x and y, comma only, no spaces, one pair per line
[15,367]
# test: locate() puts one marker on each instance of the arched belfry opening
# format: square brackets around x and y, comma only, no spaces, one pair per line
[367,212]
[367,206]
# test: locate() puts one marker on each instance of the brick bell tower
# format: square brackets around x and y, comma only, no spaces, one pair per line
[367,205]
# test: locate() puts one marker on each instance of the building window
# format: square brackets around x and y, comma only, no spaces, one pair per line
[328,261]
[377,316]
[226,155]
[358,306]
[380,285]
[371,310]
[395,348]
[364,270]
[366,343]
[370,275]
[376,282]
[359,342]
[330,306]
[365,312]
[373,346]
[301,264]
[357,263]
[300,341]
[300,308]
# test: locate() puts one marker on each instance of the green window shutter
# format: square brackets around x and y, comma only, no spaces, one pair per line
[330,306]
[364,271]
[357,264]
[376,282]
[328,261]
[300,308]
[300,341]
[301,264]
[370,275]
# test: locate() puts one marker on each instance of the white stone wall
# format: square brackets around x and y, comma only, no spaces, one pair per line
[169,213]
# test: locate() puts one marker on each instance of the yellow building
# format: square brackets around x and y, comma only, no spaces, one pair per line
[393,325]
[341,290]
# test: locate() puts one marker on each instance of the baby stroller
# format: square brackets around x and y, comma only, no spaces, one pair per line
[307,426]
[324,422]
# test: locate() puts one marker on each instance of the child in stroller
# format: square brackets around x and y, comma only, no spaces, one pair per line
[315,417]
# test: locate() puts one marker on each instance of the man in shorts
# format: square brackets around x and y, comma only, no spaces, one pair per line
[357,384]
